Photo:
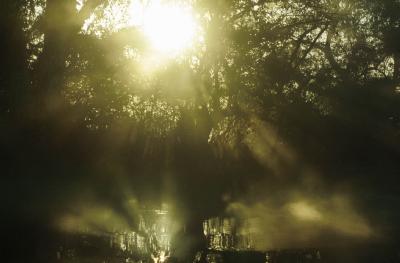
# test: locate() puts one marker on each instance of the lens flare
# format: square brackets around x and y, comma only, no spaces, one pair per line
[169,27]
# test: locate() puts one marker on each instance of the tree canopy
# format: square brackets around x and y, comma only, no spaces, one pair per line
[268,89]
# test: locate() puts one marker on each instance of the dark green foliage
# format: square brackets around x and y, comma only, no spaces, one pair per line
[321,78]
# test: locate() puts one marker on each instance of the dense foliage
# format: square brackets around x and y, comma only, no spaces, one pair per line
[270,87]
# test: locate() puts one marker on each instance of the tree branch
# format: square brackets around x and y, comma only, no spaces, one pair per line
[299,41]
[88,8]
[331,58]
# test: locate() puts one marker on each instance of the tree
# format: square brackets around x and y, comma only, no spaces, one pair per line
[317,79]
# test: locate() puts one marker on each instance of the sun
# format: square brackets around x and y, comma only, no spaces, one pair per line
[169,27]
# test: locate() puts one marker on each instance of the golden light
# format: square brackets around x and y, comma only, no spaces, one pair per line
[305,211]
[170,27]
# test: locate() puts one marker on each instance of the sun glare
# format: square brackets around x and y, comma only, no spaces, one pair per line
[169,27]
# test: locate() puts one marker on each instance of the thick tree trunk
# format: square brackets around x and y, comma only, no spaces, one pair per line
[396,69]
[48,74]
[61,24]
[13,71]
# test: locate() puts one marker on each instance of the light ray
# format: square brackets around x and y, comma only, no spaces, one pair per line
[169,27]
